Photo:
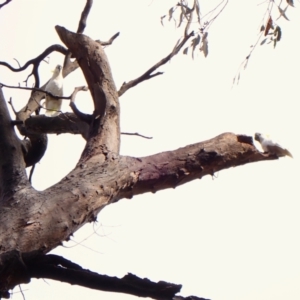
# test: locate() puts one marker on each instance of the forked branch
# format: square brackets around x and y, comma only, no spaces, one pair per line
[36,62]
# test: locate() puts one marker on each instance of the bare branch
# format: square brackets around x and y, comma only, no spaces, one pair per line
[76,90]
[148,74]
[31,173]
[35,62]
[130,176]
[4,3]
[173,168]
[63,123]
[12,167]
[110,41]
[17,62]
[43,91]
[57,268]
[104,129]
[84,15]
[137,134]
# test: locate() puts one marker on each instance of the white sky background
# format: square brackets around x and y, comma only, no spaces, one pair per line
[232,237]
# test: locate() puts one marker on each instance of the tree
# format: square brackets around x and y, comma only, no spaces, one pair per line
[134,175]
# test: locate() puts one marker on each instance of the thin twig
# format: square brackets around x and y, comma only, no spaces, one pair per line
[148,74]
[35,62]
[219,12]
[244,63]
[84,15]
[37,90]
[31,173]
[17,62]
[110,41]
[4,3]
[137,134]
[21,292]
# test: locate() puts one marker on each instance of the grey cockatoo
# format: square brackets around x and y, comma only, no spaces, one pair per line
[55,87]
[272,147]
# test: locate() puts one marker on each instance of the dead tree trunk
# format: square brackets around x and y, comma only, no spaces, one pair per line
[34,222]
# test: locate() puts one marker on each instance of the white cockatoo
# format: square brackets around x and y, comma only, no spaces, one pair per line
[272,147]
[55,87]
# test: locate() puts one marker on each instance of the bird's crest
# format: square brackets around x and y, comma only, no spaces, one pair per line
[57,69]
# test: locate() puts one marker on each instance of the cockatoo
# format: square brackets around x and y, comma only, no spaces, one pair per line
[269,146]
[55,87]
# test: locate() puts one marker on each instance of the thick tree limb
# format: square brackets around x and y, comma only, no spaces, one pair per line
[149,74]
[12,166]
[63,123]
[173,168]
[58,268]
[89,188]
[23,267]
[104,136]
[43,224]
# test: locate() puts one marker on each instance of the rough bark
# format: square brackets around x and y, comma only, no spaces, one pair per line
[35,222]
[12,166]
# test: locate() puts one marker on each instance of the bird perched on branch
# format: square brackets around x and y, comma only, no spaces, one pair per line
[269,146]
[55,87]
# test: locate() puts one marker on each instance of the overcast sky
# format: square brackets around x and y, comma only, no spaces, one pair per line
[234,236]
